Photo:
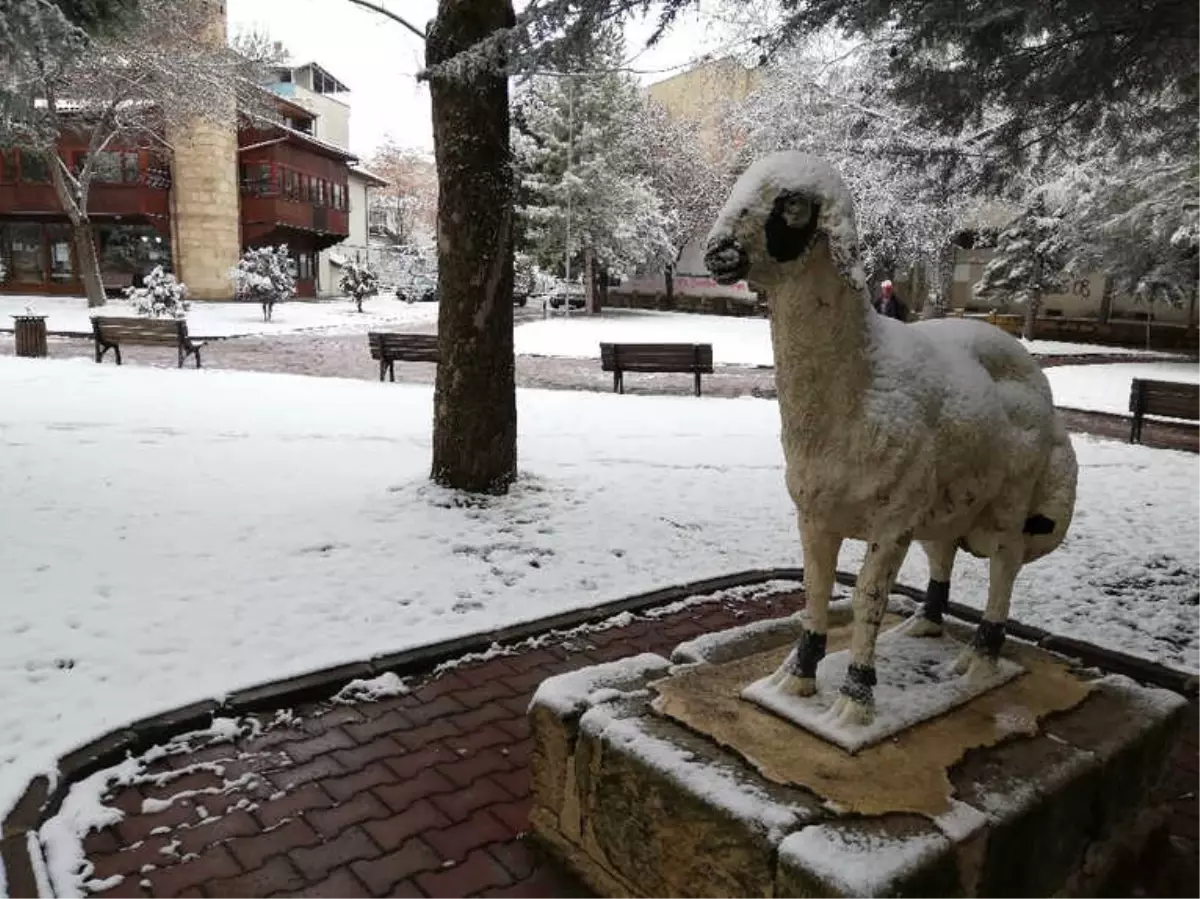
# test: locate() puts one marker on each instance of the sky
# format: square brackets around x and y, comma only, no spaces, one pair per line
[378,59]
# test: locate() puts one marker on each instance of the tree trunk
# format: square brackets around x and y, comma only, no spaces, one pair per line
[86,258]
[1106,299]
[590,294]
[474,402]
[669,276]
[1031,311]
[89,263]
[602,294]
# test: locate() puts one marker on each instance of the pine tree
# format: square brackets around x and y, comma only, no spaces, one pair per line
[585,191]
[1030,261]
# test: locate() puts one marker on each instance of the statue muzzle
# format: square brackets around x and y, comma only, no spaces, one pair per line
[726,261]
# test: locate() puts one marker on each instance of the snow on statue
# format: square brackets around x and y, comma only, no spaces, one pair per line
[944,431]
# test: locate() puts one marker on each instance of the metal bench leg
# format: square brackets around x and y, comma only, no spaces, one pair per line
[616,382]
[100,353]
[382,370]
[196,353]
[117,350]
[697,383]
[182,356]
[392,371]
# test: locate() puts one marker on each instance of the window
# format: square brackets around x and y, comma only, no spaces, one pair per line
[289,184]
[23,250]
[131,168]
[312,189]
[8,166]
[305,267]
[34,168]
[58,242]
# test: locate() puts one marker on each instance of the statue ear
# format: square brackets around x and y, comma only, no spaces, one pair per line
[791,226]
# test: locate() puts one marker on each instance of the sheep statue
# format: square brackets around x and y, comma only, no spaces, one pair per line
[944,431]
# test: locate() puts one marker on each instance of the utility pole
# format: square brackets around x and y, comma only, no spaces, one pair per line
[567,176]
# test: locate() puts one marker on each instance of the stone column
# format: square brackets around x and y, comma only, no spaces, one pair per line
[205,184]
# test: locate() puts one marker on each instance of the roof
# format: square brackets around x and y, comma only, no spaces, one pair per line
[370,177]
[308,140]
[331,84]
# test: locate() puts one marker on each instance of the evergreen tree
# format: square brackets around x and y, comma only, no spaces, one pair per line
[1030,261]
[1060,72]
[585,190]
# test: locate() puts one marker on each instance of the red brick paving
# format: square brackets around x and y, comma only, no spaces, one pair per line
[428,794]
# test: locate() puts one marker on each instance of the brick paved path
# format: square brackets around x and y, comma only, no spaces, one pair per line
[425,794]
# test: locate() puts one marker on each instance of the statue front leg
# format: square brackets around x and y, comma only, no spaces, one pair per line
[798,674]
[882,563]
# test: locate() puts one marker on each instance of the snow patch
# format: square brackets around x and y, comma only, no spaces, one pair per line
[858,861]
[718,786]
[371,689]
[570,693]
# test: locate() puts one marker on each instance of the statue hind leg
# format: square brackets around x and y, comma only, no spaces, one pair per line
[798,673]
[979,659]
[928,621]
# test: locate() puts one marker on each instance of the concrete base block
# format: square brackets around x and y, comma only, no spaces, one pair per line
[653,779]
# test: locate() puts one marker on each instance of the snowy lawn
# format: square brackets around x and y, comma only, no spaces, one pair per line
[173,535]
[735,341]
[1105,388]
[235,319]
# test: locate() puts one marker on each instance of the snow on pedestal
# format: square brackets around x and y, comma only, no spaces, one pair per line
[916,683]
[651,780]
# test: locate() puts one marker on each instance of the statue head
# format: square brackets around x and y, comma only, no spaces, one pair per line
[779,212]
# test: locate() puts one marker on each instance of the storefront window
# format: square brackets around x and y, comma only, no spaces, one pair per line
[24,253]
[8,166]
[58,243]
[131,168]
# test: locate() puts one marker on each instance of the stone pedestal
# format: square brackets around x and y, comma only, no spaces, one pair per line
[653,777]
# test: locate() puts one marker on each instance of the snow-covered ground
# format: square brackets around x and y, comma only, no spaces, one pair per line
[1105,388]
[735,341]
[171,535]
[235,319]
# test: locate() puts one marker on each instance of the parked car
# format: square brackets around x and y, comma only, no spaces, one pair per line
[569,292]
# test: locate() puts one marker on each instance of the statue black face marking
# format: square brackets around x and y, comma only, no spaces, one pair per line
[791,226]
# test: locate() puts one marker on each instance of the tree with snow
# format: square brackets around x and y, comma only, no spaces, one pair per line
[264,275]
[1030,261]
[122,87]
[910,184]
[405,212]
[161,296]
[1137,220]
[1060,74]
[359,280]
[585,196]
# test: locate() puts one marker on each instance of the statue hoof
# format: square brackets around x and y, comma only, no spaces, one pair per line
[848,712]
[975,666]
[920,626]
[790,684]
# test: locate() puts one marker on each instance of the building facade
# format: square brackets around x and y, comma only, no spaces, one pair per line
[225,187]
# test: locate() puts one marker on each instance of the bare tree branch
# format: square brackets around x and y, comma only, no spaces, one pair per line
[375,7]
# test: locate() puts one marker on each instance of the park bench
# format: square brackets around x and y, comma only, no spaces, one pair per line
[113,333]
[391,348]
[1170,398]
[696,358]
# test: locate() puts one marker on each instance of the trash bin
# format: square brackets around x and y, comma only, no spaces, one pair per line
[30,331]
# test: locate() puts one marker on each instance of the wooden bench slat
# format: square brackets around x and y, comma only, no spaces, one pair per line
[1172,399]
[689,358]
[389,348]
[111,332]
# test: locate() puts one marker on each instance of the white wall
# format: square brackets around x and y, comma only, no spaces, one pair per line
[353,247]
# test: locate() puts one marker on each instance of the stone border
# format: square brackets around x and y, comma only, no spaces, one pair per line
[40,800]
